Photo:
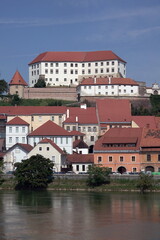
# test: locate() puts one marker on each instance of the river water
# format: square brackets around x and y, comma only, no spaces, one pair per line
[48,215]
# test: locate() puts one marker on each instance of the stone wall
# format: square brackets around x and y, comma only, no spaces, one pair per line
[63,93]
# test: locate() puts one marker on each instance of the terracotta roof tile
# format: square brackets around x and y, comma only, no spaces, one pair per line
[105,81]
[76,57]
[145,121]
[82,116]
[113,110]
[50,129]
[150,138]
[119,136]
[80,144]
[26,147]
[17,121]
[77,133]
[80,158]
[32,110]
[45,140]
[18,80]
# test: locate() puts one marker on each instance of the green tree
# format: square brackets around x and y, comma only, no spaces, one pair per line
[145,182]
[3,86]
[16,100]
[98,176]
[33,173]
[40,83]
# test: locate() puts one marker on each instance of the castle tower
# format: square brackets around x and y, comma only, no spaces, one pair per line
[17,85]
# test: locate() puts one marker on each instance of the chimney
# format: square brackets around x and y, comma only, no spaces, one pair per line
[95,80]
[109,80]
[76,119]
[67,113]
[83,105]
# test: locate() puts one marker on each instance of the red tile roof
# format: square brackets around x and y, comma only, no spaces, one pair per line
[26,147]
[76,57]
[49,141]
[119,136]
[113,110]
[18,80]
[17,121]
[77,133]
[105,81]
[145,121]
[50,129]
[80,144]
[32,110]
[85,116]
[80,158]
[150,138]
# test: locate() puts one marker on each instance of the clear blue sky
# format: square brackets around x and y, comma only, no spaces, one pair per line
[130,28]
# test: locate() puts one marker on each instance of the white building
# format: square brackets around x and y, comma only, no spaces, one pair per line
[155,89]
[16,153]
[50,130]
[16,132]
[104,86]
[48,149]
[64,68]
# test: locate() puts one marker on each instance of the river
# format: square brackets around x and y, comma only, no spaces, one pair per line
[49,215]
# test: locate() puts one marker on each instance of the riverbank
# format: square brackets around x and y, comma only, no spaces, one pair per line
[116,185]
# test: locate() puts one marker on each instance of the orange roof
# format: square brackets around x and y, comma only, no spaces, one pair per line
[26,147]
[32,110]
[145,121]
[85,116]
[17,121]
[18,80]
[76,57]
[113,110]
[45,140]
[80,158]
[150,138]
[122,136]
[50,129]
[105,81]
[76,133]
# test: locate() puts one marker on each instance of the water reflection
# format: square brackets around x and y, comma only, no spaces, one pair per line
[76,215]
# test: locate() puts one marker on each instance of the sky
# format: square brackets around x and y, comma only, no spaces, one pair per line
[129,28]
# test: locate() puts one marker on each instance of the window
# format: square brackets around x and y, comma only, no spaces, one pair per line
[68,128]
[148,157]
[82,64]
[101,70]
[46,64]
[92,138]
[23,139]
[65,79]
[83,168]
[89,71]
[121,159]
[53,159]
[76,71]
[61,140]
[10,139]
[99,87]
[65,64]
[66,140]
[51,71]
[40,118]
[71,64]
[17,129]
[158,157]
[71,72]
[96,70]
[51,64]
[89,64]
[89,129]
[57,71]
[83,72]
[52,118]
[112,69]
[84,129]
[107,63]
[101,63]
[56,64]
[99,159]
[46,71]
[10,129]
[32,118]
[76,65]
[57,79]
[112,63]
[47,148]
[17,139]
[107,70]
[96,64]
[40,148]
[77,167]
[79,129]
[133,158]
[110,158]
[94,129]
[134,169]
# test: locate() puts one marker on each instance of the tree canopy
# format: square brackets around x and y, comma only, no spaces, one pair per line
[40,83]
[3,86]
[34,173]
[98,176]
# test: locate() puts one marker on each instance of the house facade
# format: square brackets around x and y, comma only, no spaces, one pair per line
[64,68]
